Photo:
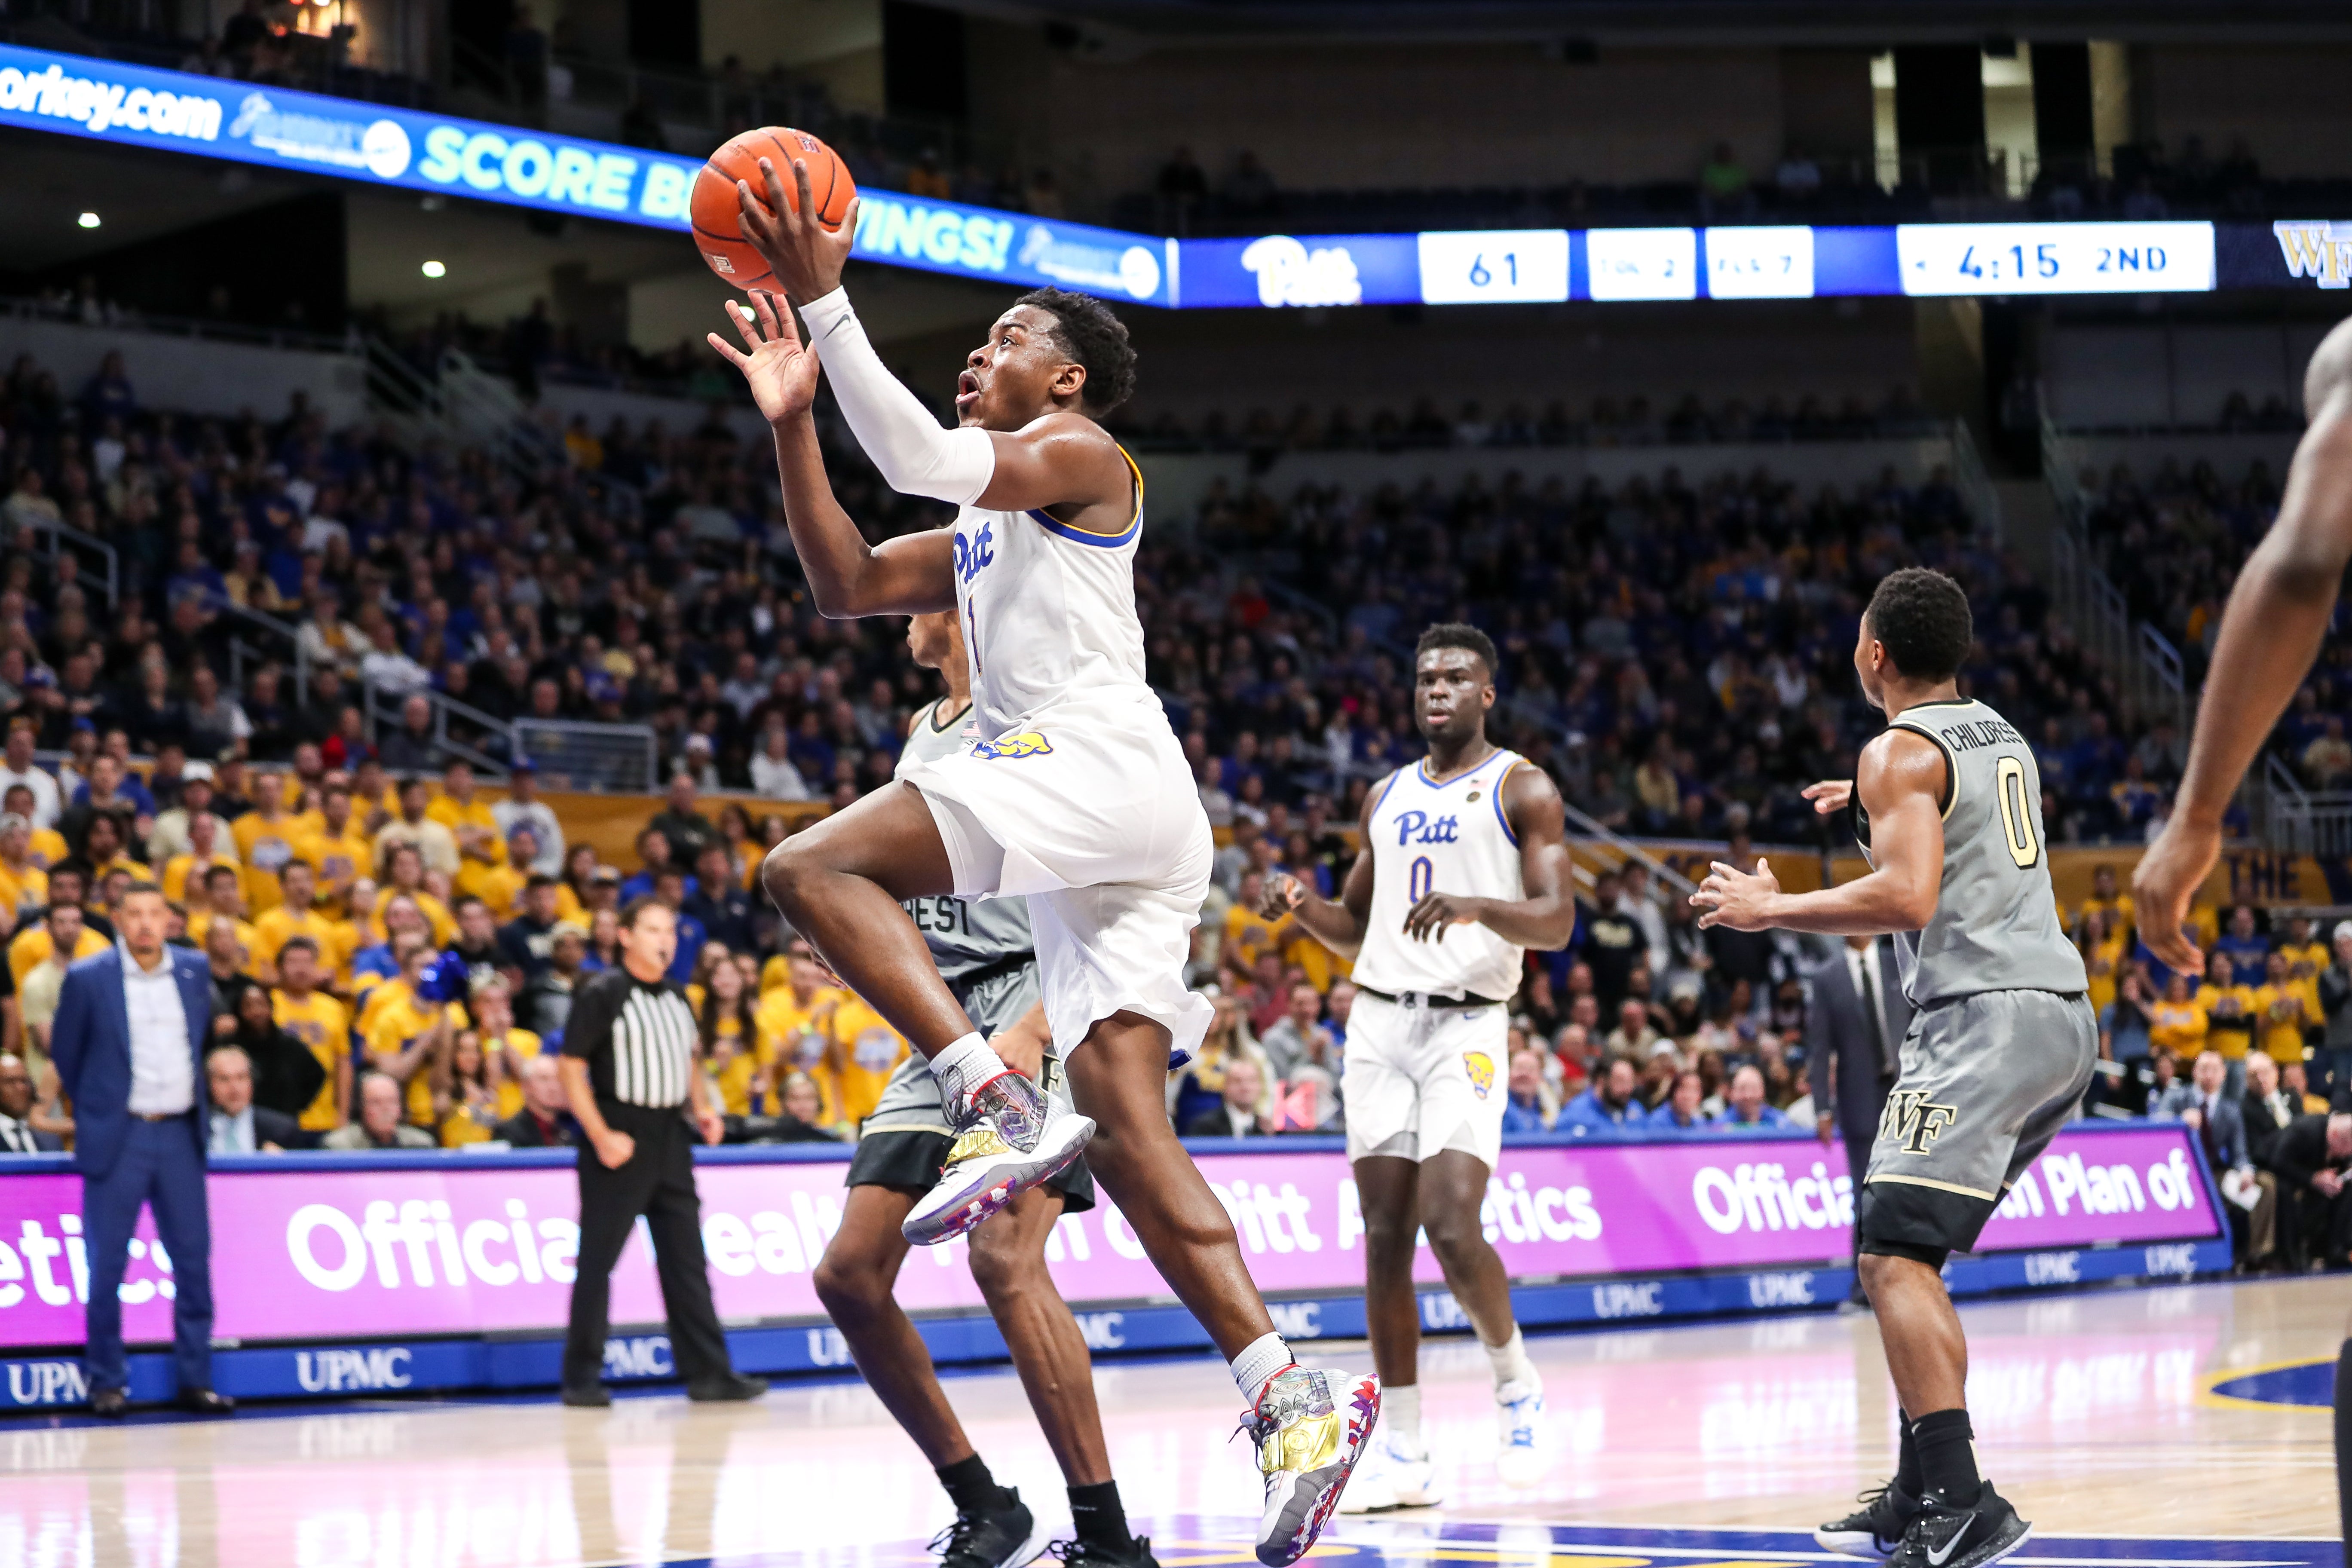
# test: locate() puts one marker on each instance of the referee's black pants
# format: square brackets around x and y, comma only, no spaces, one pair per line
[658,1182]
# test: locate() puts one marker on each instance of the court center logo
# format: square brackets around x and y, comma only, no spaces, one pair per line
[1481,1067]
[1913,1120]
[1027,743]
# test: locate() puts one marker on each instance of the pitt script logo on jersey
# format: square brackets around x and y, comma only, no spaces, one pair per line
[2320,251]
[1027,743]
[1420,827]
[1481,1067]
[1914,1122]
[979,551]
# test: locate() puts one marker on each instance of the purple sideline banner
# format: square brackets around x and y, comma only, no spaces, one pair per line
[316,1253]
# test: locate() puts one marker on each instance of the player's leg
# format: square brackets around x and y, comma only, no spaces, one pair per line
[1453,1191]
[1311,1425]
[854,1280]
[1008,1263]
[1397,1471]
[839,885]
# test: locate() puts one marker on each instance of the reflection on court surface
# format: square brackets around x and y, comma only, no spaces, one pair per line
[2143,1428]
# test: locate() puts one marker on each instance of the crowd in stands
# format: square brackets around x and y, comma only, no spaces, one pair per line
[2256,1052]
[1676,653]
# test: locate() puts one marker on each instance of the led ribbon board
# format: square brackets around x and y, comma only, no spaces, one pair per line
[176,111]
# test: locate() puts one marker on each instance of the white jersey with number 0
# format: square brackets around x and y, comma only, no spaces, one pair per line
[1447,837]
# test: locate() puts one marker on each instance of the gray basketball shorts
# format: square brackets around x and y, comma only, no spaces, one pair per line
[1986,1080]
[905,1141]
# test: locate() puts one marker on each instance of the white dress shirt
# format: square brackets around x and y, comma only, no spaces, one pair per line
[162,1068]
[232,1134]
[17,1137]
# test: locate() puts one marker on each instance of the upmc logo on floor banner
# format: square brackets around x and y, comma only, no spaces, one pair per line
[312,1252]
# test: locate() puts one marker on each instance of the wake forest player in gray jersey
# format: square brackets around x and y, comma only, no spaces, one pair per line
[1948,805]
[983,950]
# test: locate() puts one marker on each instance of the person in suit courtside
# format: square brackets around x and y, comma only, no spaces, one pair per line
[129,1044]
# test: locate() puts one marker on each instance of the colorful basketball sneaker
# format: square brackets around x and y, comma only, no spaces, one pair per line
[1310,1427]
[1011,1138]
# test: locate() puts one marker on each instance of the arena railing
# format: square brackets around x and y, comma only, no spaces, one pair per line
[61,535]
[2153,674]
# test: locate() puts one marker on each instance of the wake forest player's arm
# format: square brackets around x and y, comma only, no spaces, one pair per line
[1900,779]
[1546,918]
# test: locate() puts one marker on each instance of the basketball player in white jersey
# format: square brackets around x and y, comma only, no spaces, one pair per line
[2271,632]
[1461,868]
[1074,793]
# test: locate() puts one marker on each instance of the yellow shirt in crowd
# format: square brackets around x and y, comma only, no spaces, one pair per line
[27,892]
[393,1018]
[266,844]
[865,1048]
[2104,962]
[498,885]
[47,848]
[338,859]
[324,1025]
[182,869]
[525,1046]
[31,947]
[2229,1018]
[281,925]
[2178,1026]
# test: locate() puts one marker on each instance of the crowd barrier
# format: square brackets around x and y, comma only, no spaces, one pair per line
[338,1275]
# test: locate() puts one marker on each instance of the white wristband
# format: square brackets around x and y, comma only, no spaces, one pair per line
[914,455]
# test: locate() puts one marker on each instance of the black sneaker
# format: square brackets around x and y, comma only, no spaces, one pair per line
[1001,1537]
[1873,1529]
[1944,1536]
[587,1396]
[1079,1553]
[726,1389]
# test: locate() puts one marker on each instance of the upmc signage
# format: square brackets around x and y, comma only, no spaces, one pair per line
[316,1253]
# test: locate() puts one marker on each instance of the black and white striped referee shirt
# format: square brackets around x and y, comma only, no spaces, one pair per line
[638,1040]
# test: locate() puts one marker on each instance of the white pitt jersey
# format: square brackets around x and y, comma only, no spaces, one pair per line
[1048,615]
[1445,838]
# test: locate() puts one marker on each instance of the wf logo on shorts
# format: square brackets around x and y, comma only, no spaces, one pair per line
[1481,1067]
[1914,1124]
[1027,743]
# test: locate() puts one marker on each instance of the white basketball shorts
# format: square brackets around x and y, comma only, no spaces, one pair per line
[1100,827]
[1419,1079]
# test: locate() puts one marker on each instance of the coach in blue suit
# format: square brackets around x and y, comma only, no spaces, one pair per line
[128,1043]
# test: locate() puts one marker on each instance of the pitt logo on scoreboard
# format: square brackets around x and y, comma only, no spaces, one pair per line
[2317,250]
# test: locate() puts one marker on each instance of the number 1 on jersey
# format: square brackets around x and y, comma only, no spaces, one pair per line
[2016,812]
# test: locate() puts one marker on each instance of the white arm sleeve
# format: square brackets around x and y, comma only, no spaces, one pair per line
[915,456]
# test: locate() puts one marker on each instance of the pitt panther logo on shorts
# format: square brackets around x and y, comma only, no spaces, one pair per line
[1481,1067]
[1027,743]
[1909,1119]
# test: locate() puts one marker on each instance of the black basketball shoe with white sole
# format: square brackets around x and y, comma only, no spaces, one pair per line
[1006,1536]
[1945,1536]
[1875,1529]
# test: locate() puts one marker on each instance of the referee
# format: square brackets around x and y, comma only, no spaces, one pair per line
[628,1072]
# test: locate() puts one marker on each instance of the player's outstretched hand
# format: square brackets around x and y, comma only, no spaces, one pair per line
[1427,920]
[806,257]
[1282,893]
[2168,874]
[1730,897]
[1829,796]
[781,372]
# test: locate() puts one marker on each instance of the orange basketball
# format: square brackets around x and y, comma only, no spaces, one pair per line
[715,210]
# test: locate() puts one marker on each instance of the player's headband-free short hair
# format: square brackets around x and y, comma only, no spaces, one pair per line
[1096,339]
[637,908]
[1455,634]
[1921,617]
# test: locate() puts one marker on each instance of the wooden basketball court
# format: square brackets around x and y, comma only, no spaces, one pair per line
[2141,1428]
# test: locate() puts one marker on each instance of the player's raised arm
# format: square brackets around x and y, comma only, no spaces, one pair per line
[1901,779]
[1337,923]
[848,577]
[1546,918]
[1061,461]
[2270,635]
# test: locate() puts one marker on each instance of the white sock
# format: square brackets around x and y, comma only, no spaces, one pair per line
[963,1067]
[1400,1413]
[1516,1376]
[1257,1363]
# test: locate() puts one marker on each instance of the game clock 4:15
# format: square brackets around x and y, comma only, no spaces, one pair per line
[2055,258]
